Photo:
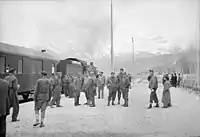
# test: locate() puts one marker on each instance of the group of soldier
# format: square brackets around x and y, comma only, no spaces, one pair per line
[8,99]
[48,92]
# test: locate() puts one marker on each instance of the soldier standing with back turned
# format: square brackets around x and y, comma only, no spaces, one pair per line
[124,86]
[57,87]
[112,85]
[13,88]
[91,88]
[42,96]
[78,83]
[101,80]
[84,88]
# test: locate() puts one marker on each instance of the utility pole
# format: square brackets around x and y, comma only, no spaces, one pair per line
[112,49]
[133,46]
[198,44]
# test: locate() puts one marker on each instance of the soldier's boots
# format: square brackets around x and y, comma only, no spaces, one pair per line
[41,124]
[15,120]
[169,105]
[78,103]
[92,105]
[118,102]
[36,123]
[108,103]
[125,104]
[113,103]
[150,106]
[157,105]
[86,103]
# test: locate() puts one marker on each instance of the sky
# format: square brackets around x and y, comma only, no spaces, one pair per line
[83,26]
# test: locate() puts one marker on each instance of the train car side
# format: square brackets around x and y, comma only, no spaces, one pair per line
[28,70]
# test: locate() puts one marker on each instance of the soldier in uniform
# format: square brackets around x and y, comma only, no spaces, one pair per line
[42,96]
[65,85]
[101,84]
[153,85]
[112,85]
[4,106]
[130,79]
[71,86]
[78,82]
[57,87]
[85,81]
[91,88]
[13,88]
[124,86]
[119,77]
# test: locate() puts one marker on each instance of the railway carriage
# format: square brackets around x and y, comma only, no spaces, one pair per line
[71,65]
[28,63]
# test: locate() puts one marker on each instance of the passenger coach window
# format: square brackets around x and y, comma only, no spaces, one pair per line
[20,66]
[2,64]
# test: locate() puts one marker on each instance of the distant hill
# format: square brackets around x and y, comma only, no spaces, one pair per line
[144,61]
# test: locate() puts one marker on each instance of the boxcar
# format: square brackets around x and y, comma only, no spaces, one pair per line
[28,63]
[71,65]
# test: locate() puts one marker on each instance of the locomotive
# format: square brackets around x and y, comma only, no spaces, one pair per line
[29,63]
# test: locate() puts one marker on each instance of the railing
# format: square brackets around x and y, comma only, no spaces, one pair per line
[190,84]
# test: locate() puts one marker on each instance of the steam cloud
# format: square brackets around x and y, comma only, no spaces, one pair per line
[83,26]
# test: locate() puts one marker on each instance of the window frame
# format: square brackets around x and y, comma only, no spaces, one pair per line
[4,71]
[21,66]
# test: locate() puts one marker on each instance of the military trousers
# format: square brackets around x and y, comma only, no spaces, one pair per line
[125,94]
[71,90]
[86,94]
[153,96]
[92,97]
[56,96]
[66,89]
[101,91]
[14,104]
[119,92]
[3,126]
[76,97]
[112,95]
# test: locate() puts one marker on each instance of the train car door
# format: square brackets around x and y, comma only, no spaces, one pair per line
[2,64]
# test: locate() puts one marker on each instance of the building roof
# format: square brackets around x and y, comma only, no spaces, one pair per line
[22,51]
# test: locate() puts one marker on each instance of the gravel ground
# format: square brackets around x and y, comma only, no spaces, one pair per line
[181,120]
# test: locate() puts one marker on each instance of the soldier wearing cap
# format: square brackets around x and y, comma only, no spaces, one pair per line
[153,85]
[71,85]
[119,90]
[78,82]
[85,81]
[91,88]
[101,81]
[42,96]
[57,88]
[66,85]
[13,88]
[112,85]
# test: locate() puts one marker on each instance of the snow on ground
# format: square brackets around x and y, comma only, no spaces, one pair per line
[181,120]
